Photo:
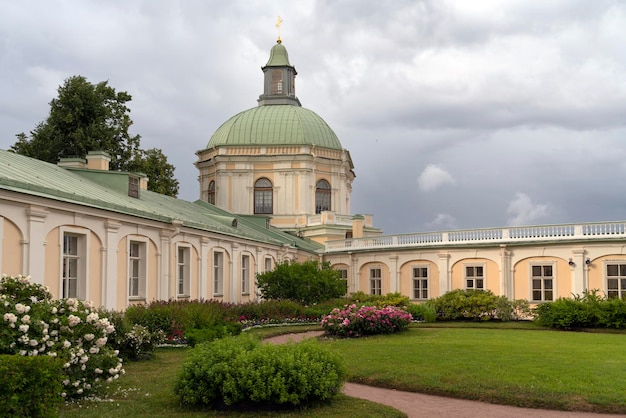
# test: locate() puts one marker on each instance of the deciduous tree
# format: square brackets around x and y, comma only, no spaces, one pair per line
[308,282]
[94,117]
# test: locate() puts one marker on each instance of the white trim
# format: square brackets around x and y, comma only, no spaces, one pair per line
[413,278]
[538,263]
[83,257]
[186,268]
[484,276]
[144,267]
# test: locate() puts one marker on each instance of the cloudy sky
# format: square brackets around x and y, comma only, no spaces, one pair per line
[457,114]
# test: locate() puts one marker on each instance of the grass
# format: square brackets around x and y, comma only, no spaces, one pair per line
[531,368]
[146,391]
[523,366]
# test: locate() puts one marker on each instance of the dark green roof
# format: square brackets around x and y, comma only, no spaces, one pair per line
[278,56]
[89,188]
[275,125]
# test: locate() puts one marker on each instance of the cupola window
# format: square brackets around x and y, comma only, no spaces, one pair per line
[263,196]
[322,196]
[211,194]
[277,82]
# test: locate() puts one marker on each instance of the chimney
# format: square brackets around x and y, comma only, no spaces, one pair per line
[71,162]
[143,181]
[98,160]
[357,226]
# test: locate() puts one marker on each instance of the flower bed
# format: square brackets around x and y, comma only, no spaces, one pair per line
[352,321]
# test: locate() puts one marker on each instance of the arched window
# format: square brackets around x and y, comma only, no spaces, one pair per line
[322,196]
[277,82]
[211,197]
[263,196]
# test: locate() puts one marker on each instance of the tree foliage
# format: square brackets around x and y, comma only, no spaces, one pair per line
[94,117]
[308,282]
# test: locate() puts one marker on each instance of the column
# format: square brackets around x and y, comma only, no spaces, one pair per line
[109,263]
[506,285]
[163,292]
[34,244]
[444,273]
[394,276]
[203,269]
[579,269]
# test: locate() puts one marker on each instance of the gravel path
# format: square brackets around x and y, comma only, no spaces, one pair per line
[420,405]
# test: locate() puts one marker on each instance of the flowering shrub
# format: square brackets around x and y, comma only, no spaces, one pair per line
[133,341]
[352,321]
[69,329]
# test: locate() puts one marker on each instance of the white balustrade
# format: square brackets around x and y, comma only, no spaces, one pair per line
[496,236]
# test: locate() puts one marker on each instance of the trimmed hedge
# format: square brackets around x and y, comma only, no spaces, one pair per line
[30,386]
[242,370]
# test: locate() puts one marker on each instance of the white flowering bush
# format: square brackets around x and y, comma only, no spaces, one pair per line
[33,324]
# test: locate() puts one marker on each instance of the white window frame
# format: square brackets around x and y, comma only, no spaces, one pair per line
[620,290]
[376,281]
[543,289]
[141,260]
[268,264]
[183,270]
[218,273]
[245,274]
[82,261]
[474,278]
[420,285]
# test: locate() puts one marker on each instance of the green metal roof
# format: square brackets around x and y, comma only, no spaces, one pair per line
[275,125]
[278,56]
[37,178]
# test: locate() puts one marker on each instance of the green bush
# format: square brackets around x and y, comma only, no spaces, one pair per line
[476,305]
[30,386]
[132,341]
[196,336]
[421,312]
[174,318]
[306,283]
[591,310]
[236,370]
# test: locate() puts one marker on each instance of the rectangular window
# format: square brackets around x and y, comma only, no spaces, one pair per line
[375,281]
[268,264]
[343,275]
[137,269]
[474,277]
[218,273]
[616,280]
[183,267]
[542,283]
[71,260]
[73,264]
[245,274]
[420,282]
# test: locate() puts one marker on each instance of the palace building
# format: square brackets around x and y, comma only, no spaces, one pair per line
[274,185]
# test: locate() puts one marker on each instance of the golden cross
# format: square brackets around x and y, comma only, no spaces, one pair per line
[278,22]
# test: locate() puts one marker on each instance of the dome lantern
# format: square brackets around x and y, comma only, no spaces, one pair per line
[279,87]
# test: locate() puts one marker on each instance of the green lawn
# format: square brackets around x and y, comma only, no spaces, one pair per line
[523,367]
[531,368]
[146,390]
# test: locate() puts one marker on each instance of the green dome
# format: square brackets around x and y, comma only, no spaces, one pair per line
[275,125]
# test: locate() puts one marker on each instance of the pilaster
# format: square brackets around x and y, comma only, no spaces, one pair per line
[34,245]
